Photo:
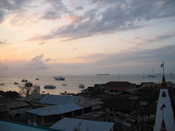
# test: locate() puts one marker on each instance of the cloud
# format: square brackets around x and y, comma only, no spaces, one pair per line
[37,63]
[56,10]
[153,56]
[163,37]
[79,8]
[126,62]
[2,13]
[3,42]
[9,6]
[131,61]
[158,38]
[114,15]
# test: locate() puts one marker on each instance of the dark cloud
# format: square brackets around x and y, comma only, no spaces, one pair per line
[11,4]
[163,37]
[147,56]
[79,8]
[158,38]
[8,6]
[128,62]
[2,14]
[37,65]
[132,61]
[37,62]
[51,15]
[115,15]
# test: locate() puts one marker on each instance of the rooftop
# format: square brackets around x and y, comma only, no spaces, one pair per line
[55,109]
[69,99]
[59,99]
[8,126]
[82,125]
[119,85]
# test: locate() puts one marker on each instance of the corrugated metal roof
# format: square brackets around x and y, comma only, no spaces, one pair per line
[71,124]
[55,110]
[59,99]
[8,126]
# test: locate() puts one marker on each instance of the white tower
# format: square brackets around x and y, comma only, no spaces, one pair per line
[164,114]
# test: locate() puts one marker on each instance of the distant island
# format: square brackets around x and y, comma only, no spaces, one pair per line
[103,74]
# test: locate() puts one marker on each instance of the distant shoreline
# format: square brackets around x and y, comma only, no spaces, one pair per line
[103,74]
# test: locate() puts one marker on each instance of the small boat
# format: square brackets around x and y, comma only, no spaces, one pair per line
[81,86]
[16,83]
[49,87]
[2,84]
[23,80]
[64,84]
[59,78]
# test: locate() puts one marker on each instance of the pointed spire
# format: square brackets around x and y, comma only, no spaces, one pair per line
[163,84]
[164,113]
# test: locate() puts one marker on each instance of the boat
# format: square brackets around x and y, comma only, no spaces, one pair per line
[64,84]
[59,78]
[23,80]
[2,84]
[81,86]
[16,83]
[49,87]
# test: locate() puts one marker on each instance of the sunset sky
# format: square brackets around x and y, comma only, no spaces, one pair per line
[86,36]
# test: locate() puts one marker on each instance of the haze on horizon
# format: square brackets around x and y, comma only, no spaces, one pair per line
[86,37]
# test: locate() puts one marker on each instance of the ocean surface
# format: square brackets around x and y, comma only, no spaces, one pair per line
[72,82]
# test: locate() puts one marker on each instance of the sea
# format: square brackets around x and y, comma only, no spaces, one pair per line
[72,82]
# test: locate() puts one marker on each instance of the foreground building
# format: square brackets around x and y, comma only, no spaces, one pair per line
[164,115]
[46,116]
[71,124]
[58,107]
[8,126]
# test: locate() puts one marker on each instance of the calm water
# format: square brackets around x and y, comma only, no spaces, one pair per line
[71,83]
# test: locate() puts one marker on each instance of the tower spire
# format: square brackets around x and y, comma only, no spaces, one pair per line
[164,114]
[163,84]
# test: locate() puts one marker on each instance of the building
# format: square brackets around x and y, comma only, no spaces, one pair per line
[114,86]
[46,116]
[69,99]
[71,124]
[8,126]
[148,84]
[60,99]
[60,106]
[164,114]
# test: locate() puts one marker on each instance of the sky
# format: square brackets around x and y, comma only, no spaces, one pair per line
[86,36]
